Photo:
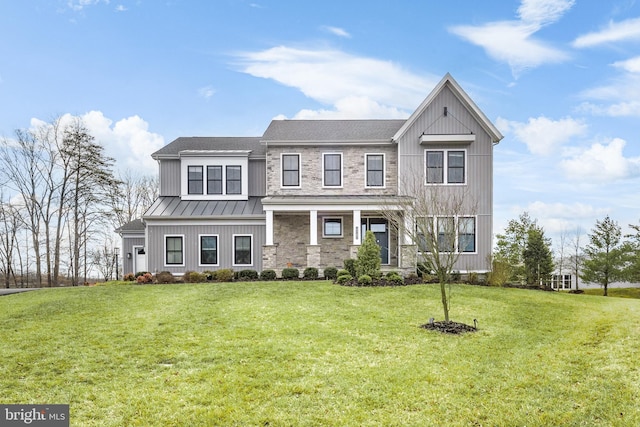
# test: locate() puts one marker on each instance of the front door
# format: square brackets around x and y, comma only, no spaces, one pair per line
[140,262]
[381,231]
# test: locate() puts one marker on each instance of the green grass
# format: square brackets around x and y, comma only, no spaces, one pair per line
[313,353]
[616,292]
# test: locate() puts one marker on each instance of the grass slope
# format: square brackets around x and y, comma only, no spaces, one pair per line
[313,353]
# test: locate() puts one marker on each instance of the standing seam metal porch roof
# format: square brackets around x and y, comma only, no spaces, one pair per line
[168,207]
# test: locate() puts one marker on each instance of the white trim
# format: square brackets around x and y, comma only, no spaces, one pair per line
[357,223]
[442,139]
[233,250]
[313,227]
[134,256]
[445,166]
[211,221]
[384,170]
[200,236]
[286,187]
[223,161]
[269,229]
[315,143]
[341,170]
[164,252]
[457,231]
[333,236]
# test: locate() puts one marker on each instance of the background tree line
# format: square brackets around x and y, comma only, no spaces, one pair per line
[59,204]
[524,255]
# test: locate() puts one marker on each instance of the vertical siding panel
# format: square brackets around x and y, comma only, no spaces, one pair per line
[170,178]
[257,178]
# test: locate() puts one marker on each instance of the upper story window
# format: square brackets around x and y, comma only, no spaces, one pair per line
[375,170]
[234,180]
[214,179]
[332,169]
[445,166]
[290,170]
[194,178]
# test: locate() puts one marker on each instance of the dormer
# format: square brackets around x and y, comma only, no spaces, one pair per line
[214,174]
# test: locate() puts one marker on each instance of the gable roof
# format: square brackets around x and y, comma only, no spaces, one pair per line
[131,227]
[449,81]
[328,131]
[205,143]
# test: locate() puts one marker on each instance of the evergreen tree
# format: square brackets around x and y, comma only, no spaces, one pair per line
[368,261]
[538,260]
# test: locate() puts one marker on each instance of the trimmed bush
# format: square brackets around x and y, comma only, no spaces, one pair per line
[165,277]
[290,273]
[129,277]
[224,275]
[268,275]
[310,273]
[210,275]
[145,278]
[395,279]
[365,280]
[194,277]
[331,273]
[350,266]
[345,278]
[248,275]
[141,273]
[343,272]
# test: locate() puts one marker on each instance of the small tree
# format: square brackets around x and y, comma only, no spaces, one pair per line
[606,254]
[510,245]
[368,261]
[538,261]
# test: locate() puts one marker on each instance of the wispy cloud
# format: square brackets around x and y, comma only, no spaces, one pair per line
[354,86]
[78,5]
[542,135]
[336,31]
[206,92]
[121,8]
[513,42]
[615,32]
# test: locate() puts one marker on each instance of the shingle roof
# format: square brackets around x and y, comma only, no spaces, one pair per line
[331,130]
[131,226]
[212,143]
[172,207]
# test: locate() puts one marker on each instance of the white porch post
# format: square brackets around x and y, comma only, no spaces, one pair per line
[356,228]
[269,228]
[408,229]
[313,227]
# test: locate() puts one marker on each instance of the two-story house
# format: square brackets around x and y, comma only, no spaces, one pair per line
[305,192]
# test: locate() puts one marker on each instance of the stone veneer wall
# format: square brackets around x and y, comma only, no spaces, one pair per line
[291,235]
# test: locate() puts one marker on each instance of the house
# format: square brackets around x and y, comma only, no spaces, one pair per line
[305,192]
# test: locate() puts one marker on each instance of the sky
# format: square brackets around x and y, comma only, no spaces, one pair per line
[559,78]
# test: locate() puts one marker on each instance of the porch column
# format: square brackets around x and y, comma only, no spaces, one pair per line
[269,229]
[407,231]
[313,227]
[356,228]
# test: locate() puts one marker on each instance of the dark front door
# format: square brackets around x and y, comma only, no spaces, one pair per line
[381,231]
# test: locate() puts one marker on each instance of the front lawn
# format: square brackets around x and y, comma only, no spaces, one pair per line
[313,353]
[616,292]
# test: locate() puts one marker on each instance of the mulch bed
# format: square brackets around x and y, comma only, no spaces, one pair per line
[449,327]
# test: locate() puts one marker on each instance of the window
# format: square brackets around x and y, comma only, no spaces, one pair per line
[291,170]
[424,228]
[194,180]
[234,180]
[446,240]
[208,250]
[214,179]
[466,234]
[375,170]
[332,227]
[332,170]
[453,161]
[174,252]
[242,250]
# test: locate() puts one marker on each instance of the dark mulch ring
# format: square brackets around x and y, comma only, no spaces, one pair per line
[384,282]
[449,327]
[530,287]
[576,291]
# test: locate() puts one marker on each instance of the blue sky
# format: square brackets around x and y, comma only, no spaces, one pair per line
[559,78]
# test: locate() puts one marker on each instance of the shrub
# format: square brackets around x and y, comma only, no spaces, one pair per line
[290,273]
[129,277]
[392,273]
[500,273]
[194,277]
[423,268]
[331,273]
[310,273]
[248,275]
[224,275]
[268,275]
[395,279]
[412,279]
[350,266]
[455,276]
[145,278]
[210,275]
[368,261]
[365,280]
[165,277]
[345,278]
[342,272]
[472,278]
[141,273]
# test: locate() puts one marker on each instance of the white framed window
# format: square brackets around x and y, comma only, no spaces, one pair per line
[445,166]
[242,249]
[332,170]
[290,166]
[449,233]
[174,250]
[209,249]
[234,179]
[332,227]
[194,177]
[214,179]
[223,177]
[374,170]
[467,234]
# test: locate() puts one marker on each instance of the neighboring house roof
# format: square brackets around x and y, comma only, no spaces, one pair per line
[327,131]
[198,143]
[131,227]
[449,81]
[167,207]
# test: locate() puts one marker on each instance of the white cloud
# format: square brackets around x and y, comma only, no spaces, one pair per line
[601,163]
[121,8]
[339,79]
[631,65]
[559,217]
[78,5]
[542,135]
[623,92]
[512,41]
[336,31]
[616,31]
[206,92]
[353,108]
